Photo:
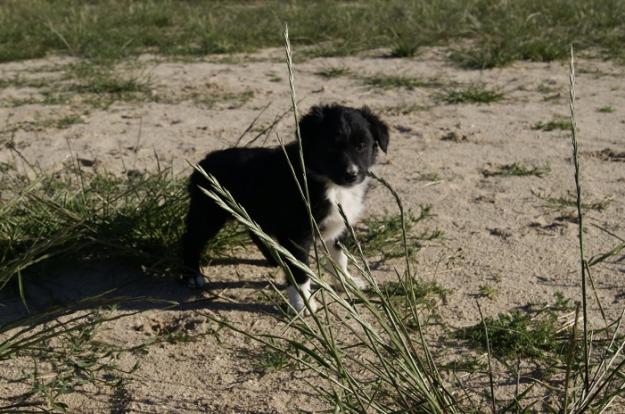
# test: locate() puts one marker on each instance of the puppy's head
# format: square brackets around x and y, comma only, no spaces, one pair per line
[341,143]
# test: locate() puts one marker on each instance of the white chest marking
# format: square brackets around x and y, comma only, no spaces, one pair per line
[351,200]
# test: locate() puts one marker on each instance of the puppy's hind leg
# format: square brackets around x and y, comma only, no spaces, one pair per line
[203,222]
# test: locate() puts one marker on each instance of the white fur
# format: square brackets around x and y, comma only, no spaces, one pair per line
[332,226]
[297,301]
[340,260]
[351,199]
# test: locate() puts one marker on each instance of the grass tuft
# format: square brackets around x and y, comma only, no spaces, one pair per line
[517,170]
[553,125]
[382,236]
[569,201]
[608,109]
[528,335]
[475,93]
[332,72]
[381,81]
[138,218]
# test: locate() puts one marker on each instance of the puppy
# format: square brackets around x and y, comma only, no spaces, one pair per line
[339,144]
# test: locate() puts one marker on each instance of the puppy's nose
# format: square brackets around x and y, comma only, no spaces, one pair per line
[352,172]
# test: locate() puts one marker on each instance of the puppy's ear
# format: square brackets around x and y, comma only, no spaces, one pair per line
[378,128]
[310,124]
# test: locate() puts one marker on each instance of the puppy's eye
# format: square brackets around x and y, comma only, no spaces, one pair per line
[361,145]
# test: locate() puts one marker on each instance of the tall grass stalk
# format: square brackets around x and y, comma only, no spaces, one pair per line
[580,216]
[491,383]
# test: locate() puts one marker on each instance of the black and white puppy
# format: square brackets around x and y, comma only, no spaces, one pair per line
[339,145]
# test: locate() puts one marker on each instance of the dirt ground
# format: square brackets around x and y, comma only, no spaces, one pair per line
[498,230]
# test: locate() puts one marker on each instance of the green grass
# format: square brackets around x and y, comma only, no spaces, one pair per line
[425,294]
[517,170]
[404,47]
[472,94]
[608,109]
[497,33]
[519,335]
[94,84]
[62,352]
[67,121]
[332,72]
[608,154]
[428,176]
[488,291]
[569,201]
[58,123]
[89,216]
[381,236]
[558,124]
[233,100]
[382,81]
[405,109]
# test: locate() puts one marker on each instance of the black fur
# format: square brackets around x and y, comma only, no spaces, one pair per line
[260,179]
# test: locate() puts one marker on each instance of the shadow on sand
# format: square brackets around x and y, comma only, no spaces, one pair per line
[66,288]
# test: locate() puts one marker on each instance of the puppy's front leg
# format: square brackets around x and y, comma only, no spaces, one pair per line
[339,258]
[300,251]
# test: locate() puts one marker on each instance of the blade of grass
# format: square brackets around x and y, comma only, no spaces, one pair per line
[491,382]
[580,216]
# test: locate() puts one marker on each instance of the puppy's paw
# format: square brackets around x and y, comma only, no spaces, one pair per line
[360,283]
[195,280]
[297,301]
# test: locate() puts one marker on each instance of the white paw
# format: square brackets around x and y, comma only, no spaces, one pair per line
[360,283]
[196,281]
[297,301]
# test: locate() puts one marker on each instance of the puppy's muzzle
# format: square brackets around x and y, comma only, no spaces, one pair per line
[351,175]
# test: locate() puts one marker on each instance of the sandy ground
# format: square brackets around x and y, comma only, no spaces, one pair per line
[498,232]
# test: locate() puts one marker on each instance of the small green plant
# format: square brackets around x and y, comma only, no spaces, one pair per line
[332,72]
[560,124]
[405,46]
[519,335]
[406,109]
[382,236]
[608,109]
[273,360]
[517,170]
[68,121]
[274,77]
[488,291]
[381,81]
[427,176]
[570,201]
[232,100]
[425,293]
[608,154]
[475,93]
